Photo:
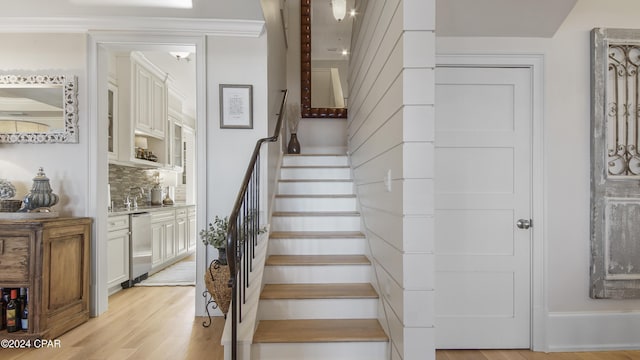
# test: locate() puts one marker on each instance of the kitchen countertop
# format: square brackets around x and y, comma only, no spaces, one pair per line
[146,208]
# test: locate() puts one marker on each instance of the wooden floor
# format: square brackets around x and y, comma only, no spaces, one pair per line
[157,323]
[142,323]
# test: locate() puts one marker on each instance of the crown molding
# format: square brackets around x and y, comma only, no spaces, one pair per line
[221,27]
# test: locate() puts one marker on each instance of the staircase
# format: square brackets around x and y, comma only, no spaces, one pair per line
[318,302]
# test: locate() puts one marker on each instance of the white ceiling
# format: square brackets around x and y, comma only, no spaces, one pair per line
[509,18]
[328,36]
[505,18]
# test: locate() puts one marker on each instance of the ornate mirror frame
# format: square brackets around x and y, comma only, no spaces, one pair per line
[305,70]
[70,104]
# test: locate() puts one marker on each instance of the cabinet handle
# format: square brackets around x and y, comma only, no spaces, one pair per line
[1,247]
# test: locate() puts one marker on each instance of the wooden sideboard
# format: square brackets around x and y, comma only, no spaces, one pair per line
[51,258]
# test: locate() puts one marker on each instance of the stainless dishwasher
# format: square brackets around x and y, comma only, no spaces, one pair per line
[139,248]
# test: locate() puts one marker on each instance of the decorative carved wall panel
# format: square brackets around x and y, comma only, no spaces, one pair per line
[615,164]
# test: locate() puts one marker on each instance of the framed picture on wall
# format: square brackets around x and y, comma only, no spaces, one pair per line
[236,106]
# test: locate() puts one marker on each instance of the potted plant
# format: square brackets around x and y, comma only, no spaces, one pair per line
[216,235]
[217,277]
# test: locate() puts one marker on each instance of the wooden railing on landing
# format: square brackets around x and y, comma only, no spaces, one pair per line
[244,227]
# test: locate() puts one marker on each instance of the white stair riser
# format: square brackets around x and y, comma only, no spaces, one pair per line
[299,274]
[315,223]
[282,309]
[315,173]
[315,204]
[320,351]
[315,161]
[316,188]
[325,246]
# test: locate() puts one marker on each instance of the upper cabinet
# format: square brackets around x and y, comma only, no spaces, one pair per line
[112,116]
[174,127]
[150,97]
[146,114]
[141,113]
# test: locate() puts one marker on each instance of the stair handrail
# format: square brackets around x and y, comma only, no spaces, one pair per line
[242,232]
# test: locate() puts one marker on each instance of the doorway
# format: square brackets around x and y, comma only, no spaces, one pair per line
[102,45]
[488,281]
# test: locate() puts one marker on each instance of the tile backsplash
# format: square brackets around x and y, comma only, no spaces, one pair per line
[123,178]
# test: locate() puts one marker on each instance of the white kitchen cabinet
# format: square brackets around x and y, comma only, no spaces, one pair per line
[149,97]
[157,245]
[163,225]
[141,111]
[174,129]
[112,117]
[117,252]
[193,231]
[170,241]
[182,232]
[174,144]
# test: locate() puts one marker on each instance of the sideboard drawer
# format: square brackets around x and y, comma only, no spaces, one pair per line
[14,258]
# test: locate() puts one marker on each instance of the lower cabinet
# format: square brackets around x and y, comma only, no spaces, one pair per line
[182,232]
[51,259]
[117,252]
[191,227]
[173,233]
[170,241]
[163,238]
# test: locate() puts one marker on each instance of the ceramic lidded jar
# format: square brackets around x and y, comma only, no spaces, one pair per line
[41,195]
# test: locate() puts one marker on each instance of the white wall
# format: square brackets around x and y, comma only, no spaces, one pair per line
[277,76]
[65,164]
[233,60]
[390,129]
[575,321]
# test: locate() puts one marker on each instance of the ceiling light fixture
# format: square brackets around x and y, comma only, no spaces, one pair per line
[179,55]
[352,13]
[339,9]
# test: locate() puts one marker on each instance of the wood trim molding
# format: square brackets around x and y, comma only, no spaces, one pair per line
[222,27]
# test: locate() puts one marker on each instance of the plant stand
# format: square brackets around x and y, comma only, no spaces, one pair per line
[218,291]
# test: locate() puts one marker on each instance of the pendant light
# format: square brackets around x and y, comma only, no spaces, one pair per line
[339,9]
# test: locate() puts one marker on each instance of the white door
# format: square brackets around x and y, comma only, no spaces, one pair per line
[483,187]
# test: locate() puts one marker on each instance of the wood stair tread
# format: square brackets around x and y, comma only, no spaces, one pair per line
[316,213]
[316,260]
[318,291]
[314,331]
[315,234]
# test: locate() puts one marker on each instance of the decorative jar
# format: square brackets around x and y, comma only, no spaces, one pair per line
[41,195]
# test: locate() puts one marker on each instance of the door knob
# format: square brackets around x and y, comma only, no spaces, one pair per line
[523,223]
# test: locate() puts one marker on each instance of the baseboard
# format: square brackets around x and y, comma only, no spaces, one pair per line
[593,331]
